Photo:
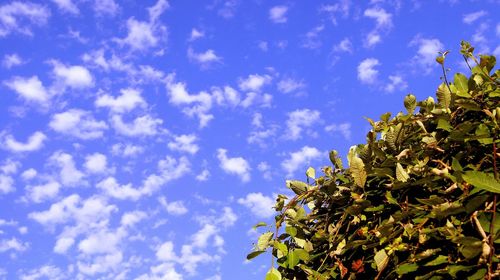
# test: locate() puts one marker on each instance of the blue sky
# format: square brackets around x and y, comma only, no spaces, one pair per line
[144,139]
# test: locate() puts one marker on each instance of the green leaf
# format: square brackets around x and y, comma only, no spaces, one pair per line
[254,254]
[302,254]
[437,261]
[273,274]
[381,259]
[488,62]
[293,259]
[263,241]
[461,84]
[281,247]
[311,173]
[358,172]
[478,275]
[444,96]
[406,268]
[292,231]
[401,174]
[410,103]
[260,224]
[336,161]
[298,187]
[453,270]
[481,180]
[444,125]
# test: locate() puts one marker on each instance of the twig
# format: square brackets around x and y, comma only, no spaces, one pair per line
[467,62]
[493,216]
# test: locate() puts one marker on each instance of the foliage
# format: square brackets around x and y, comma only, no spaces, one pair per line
[418,201]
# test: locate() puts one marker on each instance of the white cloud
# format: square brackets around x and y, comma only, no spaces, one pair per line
[126,150]
[145,35]
[300,119]
[127,101]
[200,104]
[29,174]
[101,263]
[78,123]
[196,34]
[343,128]
[203,176]
[58,212]
[169,169]
[427,52]
[141,126]
[34,143]
[74,77]
[265,169]
[30,89]
[69,175]
[342,7]
[366,70]
[383,18]
[226,96]
[176,208]
[184,143]
[19,17]
[254,98]
[205,59]
[311,39]
[300,159]
[344,46]
[6,184]
[384,23]
[396,83]
[237,165]
[44,272]
[263,46]
[96,163]
[372,39]
[141,35]
[289,85]
[63,244]
[131,218]
[157,10]
[111,187]
[12,244]
[106,7]
[165,252]
[277,14]
[472,17]
[67,6]
[11,60]
[259,204]
[262,136]
[254,82]
[9,166]
[41,193]
[228,8]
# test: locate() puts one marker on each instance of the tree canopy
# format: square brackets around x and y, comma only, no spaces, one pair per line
[418,200]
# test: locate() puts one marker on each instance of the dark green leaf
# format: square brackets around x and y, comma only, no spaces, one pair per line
[484,181]
[254,254]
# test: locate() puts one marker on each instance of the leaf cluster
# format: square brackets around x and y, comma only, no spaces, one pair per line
[417,201]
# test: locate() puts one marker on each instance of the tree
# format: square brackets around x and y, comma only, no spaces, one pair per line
[418,200]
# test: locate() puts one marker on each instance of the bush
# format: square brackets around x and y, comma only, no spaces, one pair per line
[418,201]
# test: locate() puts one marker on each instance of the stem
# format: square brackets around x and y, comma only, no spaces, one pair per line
[493,216]
[467,62]
[445,78]
[492,246]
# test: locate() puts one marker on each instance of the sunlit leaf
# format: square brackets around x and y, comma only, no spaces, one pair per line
[484,181]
